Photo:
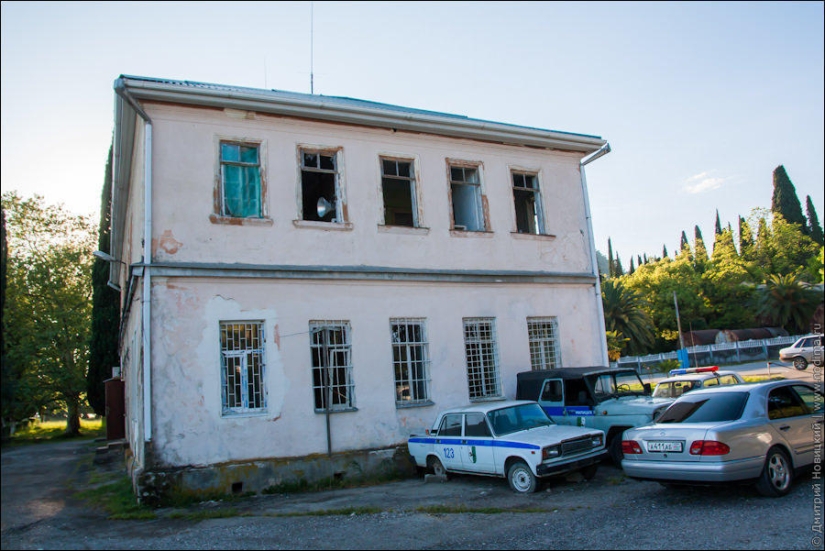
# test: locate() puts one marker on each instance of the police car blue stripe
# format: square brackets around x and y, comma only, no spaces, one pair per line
[478,443]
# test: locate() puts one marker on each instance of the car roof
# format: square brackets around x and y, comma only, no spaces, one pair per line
[698,376]
[761,387]
[529,382]
[484,407]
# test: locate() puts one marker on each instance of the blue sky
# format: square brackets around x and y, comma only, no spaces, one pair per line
[700,101]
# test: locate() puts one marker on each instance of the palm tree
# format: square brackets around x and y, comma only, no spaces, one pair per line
[788,302]
[623,313]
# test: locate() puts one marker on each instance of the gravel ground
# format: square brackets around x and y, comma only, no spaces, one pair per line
[609,512]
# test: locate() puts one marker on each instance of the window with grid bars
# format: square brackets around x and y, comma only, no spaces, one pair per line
[242,367]
[482,358]
[332,383]
[410,360]
[528,203]
[240,180]
[544,346]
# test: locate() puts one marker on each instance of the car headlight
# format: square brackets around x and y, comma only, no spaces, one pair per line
[550,452]
[596,441]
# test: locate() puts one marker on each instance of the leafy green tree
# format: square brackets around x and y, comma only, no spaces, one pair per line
[103,353]
[787,301]
[48,306]
[785,201]
[624,313]
[814,229]
[616,342]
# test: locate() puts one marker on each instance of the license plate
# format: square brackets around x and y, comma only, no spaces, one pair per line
[664,446]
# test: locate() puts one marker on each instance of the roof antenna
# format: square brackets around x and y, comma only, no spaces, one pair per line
[311,47]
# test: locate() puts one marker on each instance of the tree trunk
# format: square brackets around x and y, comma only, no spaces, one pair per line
[73,416]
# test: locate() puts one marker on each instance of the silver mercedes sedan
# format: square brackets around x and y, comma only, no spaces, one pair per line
[761,433]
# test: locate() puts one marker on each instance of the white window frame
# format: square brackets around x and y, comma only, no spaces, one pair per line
[411,182]
[536,223]
[481,354]
[545,351]
[243,354]
[411,362]
[457,172]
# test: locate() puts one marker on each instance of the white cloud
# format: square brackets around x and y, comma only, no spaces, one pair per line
[702,182]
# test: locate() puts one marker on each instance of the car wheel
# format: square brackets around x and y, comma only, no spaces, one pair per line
[437,467]
[615,450]
[521,478]
[777,475]
[590,471]
[800,363]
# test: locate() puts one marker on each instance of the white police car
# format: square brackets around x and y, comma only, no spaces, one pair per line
[513,439]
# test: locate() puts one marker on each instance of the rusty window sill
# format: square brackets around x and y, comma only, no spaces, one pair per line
[346,226]
[233,221]
[409,230]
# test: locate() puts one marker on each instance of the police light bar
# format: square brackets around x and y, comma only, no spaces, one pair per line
[683,371]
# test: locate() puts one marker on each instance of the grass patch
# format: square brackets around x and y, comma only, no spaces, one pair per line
[46,431]
[762,378]
[118,500]
[302,486]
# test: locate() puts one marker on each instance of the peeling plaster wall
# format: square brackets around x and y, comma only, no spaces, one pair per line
[189,427]
[186,171]
[131,353]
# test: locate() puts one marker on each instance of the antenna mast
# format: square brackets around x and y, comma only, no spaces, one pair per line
[311,47]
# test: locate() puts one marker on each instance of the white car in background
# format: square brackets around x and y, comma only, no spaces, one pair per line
[807,349]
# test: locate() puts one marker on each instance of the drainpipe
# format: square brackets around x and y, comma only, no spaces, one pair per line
[603,150]
[120,89]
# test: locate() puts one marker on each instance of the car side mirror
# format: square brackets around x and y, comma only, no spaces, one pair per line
[646,387]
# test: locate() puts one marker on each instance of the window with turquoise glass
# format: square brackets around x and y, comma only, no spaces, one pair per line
[240,180]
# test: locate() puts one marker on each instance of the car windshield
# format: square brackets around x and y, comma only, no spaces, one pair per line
[615,385]
[673,389]
[516,418]
[705,408]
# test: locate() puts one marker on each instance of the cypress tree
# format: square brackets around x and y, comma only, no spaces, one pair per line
[814,229]
[785,202]
[103,353]
[745,238]
[701,254]
[609,258]
[632,267]
[618,271]
[638,260]
[718,224]
[664,251]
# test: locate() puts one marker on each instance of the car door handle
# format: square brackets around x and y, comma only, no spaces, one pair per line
[785,427]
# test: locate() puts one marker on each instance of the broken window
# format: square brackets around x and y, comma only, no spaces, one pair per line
[242,367]
[482,358]
[528,203]
[240,180]
[411,360]
[319,187]
[544,346]
[465,187]
[398,186]
[331,350]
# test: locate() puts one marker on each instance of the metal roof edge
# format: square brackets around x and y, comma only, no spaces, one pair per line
[346,110]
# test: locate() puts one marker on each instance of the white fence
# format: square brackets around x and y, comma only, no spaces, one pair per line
[716,354]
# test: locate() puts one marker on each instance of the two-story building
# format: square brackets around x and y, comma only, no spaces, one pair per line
[307,279]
